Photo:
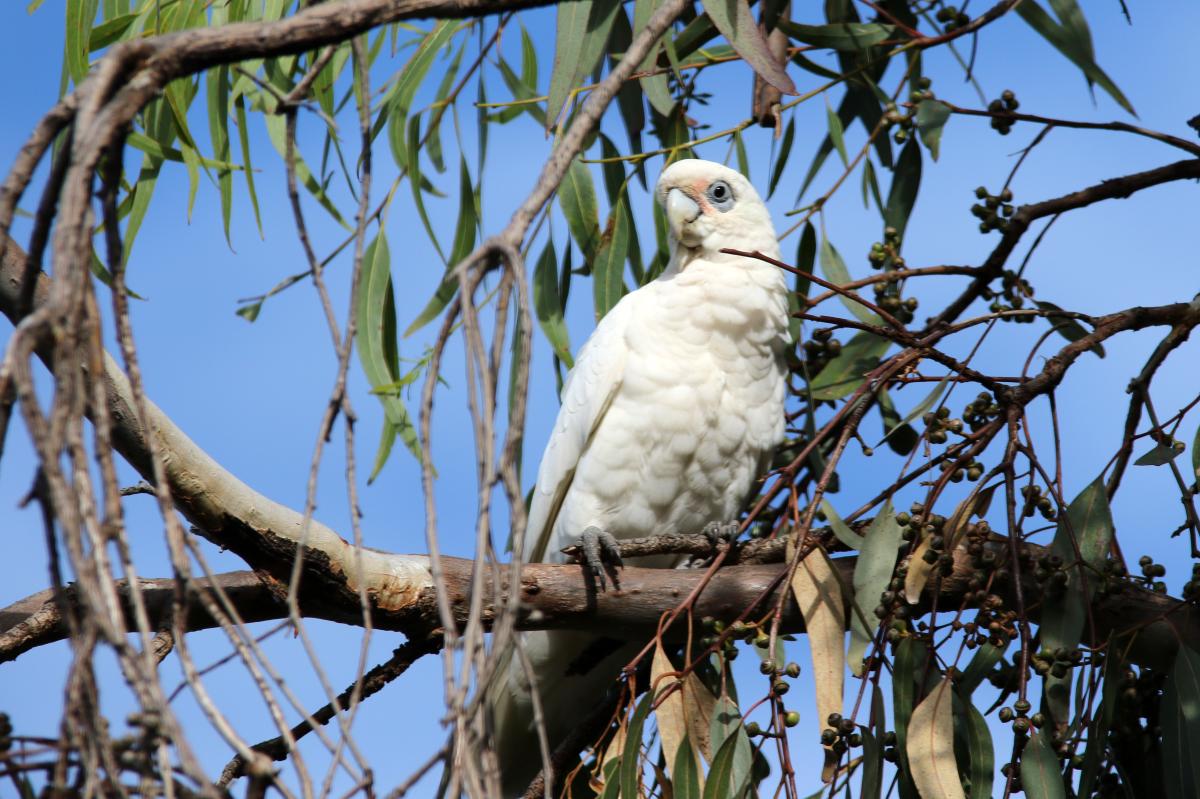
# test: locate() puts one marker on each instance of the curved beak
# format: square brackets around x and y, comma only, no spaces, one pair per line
[682,210]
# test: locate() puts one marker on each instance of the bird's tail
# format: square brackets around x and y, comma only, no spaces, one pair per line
[571,672]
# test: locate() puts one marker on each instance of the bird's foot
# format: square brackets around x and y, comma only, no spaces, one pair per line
[599,551]
[721,533]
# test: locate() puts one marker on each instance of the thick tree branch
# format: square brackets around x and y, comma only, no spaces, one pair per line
[557,596]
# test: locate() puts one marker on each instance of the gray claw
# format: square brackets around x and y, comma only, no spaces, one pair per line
[721,533]
[600,549]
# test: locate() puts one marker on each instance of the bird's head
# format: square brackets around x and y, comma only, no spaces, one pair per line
[711,207]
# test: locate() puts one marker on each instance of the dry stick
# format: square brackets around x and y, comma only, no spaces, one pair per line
[364,686]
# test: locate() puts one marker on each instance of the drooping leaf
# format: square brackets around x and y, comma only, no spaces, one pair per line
[631,760]
[899,435]
[985,659]
[376,339]
[907,667]
[819,596]
[608,272]
[836,133]
[1068,327]
[399,98]
[735,22]
[218,88]
[464,240]
[845,36]
[277,134]
[844,374]
[239,108]
[1102,718]
[1088,525]
[836,272]
[906,180]
[1072,38]
[686,779]
[577,198]
[684,714]
[1180,718]
[781,155]
[548,306]
[870,185]
[1041,775]
[931,745]
[981,757]
[572,26]
[80,16]
[931,119]
[731,764]
[840,529]
[876,561]
[921,407]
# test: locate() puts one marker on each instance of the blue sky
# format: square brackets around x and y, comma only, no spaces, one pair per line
[253,394]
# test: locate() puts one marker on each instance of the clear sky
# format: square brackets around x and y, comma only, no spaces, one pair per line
[253,394]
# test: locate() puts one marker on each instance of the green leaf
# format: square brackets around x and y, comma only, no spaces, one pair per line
[464,242]
[924,404]
[1180,719]
[653,86]
[599,28]
[548,306]
[1088,525]
[376,339]
[239,108]
[845,36]
[844,374]
[743,160]
[876,561]
[415,182]
[870,183]
[685,775]
[732,763]
[217,90]
[836,133]
[1097,734]
[981,758]
[608,272]
[631,760]
[577,198]
[111,30]
[907,667]
[1073,39]
[906,180]
[1068,327]
[1159,455]
[737,25]
[841,530]
[80,16]
[836,272]
[982,664]
[931,119]
[1041,774]
[277,134]
[143,189]
[781,155]
[901,437]
[1196,455]
[399,98]
[572,19]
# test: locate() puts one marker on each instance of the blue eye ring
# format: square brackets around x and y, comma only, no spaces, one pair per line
[720,195]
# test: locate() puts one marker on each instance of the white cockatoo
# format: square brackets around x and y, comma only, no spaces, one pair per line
[673,409]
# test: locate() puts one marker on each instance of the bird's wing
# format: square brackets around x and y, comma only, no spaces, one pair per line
[586,396]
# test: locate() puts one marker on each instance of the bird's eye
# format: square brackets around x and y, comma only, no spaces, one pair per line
[720,195]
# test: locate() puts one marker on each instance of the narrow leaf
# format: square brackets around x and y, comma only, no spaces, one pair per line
[844,374]
[735,22]
[876,561]
[836,272]
[931,119]
[631,759]
[906,180]
[548,306]
[781,155]
[931,746]
[577,198]
[1067,327]
[845,36]
[1041,775]
[572,24]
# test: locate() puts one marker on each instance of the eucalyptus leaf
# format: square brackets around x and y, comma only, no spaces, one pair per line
[845,373]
